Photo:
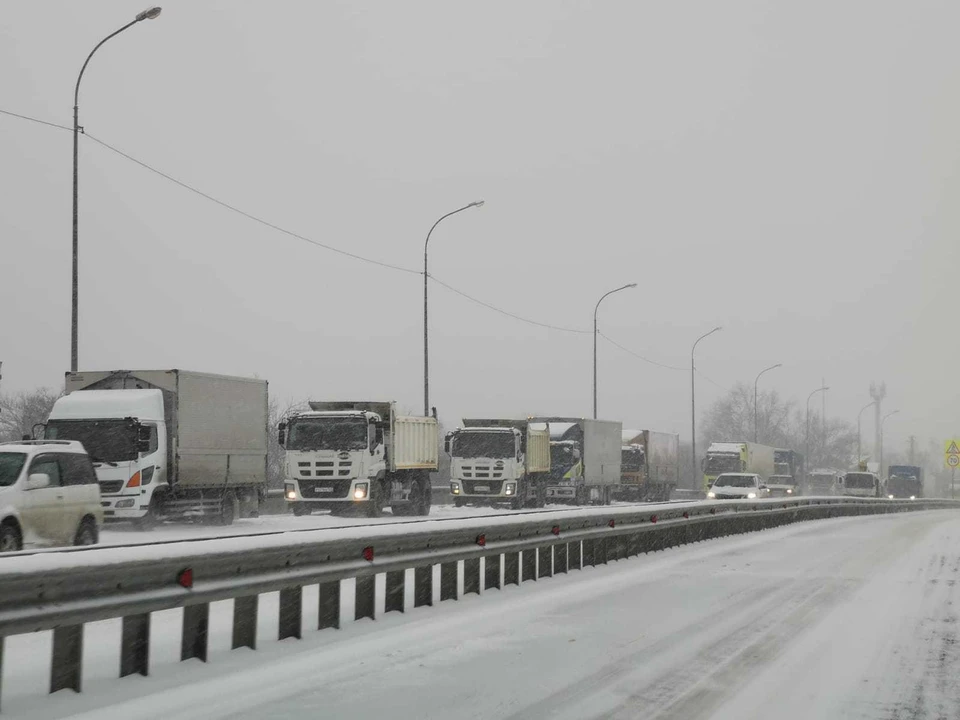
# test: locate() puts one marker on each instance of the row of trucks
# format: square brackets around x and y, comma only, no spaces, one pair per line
[781,469]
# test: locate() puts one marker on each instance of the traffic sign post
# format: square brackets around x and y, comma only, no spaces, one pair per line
[951,458]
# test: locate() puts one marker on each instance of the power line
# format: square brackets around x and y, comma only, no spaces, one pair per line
[36,120]
[637,355]
[504,312]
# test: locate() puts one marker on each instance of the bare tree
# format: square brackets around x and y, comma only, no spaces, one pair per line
[19,412]
[276,411]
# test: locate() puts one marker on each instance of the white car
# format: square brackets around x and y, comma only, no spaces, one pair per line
[48,495]
[738,486]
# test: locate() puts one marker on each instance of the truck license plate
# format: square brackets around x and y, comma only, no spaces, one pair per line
[323,489]
[482,488]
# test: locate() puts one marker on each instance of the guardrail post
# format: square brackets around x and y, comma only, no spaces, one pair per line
[589,553]
[511,568]
[491,572]
[193,641]
[244,622]
[393,602]
[134,644]
[560,558]
[633,544]
[545,561]
[471,576]
[574,555]
[328,615]
[448,581]
[364,597]
[67,661]
[528,560]
[423,586]
[291,612]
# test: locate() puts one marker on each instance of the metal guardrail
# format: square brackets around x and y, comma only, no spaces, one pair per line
[63,592]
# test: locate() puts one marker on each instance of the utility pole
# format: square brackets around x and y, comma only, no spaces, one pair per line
[913,449]
[823,417]
[878,393]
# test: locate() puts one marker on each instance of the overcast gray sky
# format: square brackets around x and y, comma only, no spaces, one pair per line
[786,170]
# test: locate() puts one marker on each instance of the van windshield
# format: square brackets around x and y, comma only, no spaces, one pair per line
[107,440]
[858,480]
[11,463]
[736,481]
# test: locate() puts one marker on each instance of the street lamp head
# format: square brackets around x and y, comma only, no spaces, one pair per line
[478,203]
[631,285]
[151,14]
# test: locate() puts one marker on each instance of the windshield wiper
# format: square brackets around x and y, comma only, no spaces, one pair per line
[101,461]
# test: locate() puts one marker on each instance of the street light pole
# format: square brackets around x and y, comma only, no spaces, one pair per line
[806,437]
[150,14]
[756,430]
[859,418]
[894,412]
[426,346]
[693,405]
[595,310]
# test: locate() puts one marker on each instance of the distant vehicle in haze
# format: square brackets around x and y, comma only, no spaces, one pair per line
[821,482]
[48,495]
[359,455]
[498,461]
[788,462]
[649,466]
[738,486]
[585,459]
[737,457]
[783,485]
[860,484]
[905,481]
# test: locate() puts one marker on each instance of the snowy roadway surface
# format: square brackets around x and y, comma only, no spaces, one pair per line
[844,618]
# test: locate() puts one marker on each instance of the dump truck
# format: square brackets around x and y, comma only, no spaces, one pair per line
[168,443]
[584,459]
[737,457]
[359,455]
[494,461]
[649,466]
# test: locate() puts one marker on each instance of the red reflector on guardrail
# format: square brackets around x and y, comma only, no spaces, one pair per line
[185,578]
[368,553]
[713,511]
[686,515]
[653,518]
[612,523]
[555,529]
[482,540]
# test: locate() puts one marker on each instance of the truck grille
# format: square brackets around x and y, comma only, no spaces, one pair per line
[482,472]
[325,468]
[110,487]
[322,489]
[476,487]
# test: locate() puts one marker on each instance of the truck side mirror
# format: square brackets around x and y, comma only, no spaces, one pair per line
[282,434]
[372,438]
[446,443]
[143,439]
[38,430]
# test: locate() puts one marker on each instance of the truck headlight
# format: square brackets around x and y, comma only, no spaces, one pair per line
[509,488]
[913,497]
[360,491]
[789,491]
[126,503]
[290,491]
[455,488]
[711,494]
[890,496]
[751,496]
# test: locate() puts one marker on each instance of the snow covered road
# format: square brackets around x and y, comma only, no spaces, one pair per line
[845,618]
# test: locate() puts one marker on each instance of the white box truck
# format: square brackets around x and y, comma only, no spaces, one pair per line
[344,454]
[494,461]
[168,443]
[584,459]
[650,466]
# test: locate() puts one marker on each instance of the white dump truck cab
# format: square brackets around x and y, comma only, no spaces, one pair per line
[496,462]
[124,434]
[344,455]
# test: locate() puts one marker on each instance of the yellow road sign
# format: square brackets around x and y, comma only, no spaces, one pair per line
[951,453]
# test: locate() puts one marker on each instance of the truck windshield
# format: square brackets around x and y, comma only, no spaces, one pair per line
[736,481]
[722,462]
[821,480]
[561,460]
[327,434]
[631,460]
[858,480]
[484,445]
[108,440]
[11,463]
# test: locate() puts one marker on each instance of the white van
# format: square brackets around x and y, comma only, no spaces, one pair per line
[860,484]
[48,495]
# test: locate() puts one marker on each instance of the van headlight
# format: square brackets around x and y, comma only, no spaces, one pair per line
[789,491]
[360,491]
[890,496]
[455,488]
[711,494]
[913,497]
[751,496]
[509,488]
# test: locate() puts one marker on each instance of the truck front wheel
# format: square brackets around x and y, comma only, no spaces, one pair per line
[376,502]
[228,509]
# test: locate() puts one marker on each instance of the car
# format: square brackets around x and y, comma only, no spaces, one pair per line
[48,495]
[738,486]
[783,485]
[861,484]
